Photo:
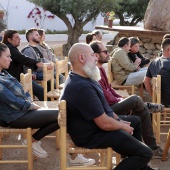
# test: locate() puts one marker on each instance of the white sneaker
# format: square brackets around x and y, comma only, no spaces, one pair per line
[80,160]
[36,149]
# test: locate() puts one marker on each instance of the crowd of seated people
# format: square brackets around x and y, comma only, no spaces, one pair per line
[107,123]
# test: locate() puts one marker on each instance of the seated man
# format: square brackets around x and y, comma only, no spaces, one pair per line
[160,66]
[134,52]
[12,40]
[125,71]
[91,122]
[132,105]
[33,51]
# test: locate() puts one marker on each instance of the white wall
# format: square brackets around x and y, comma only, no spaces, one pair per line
[18,10]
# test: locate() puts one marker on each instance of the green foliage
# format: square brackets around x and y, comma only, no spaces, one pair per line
[134,9]
[80,10]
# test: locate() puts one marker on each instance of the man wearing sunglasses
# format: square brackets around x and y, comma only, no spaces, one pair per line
[133,104]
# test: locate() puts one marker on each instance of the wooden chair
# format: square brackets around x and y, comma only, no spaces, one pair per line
[122,90]
[58,51]
[157,122]
[67,146]
[27,132]
[166,147]
[26,81]
[61,68]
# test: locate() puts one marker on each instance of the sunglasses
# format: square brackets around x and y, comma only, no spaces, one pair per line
[105,51]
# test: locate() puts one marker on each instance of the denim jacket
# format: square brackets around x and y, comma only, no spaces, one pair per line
[14,102]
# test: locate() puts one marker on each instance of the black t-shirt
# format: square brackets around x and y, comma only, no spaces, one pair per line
[161,66]
[85,101]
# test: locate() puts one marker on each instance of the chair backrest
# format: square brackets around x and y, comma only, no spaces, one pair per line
[48,75]
[26,82]
[156,89]
[110,73]
[61,68]
[67,145]
[58,51]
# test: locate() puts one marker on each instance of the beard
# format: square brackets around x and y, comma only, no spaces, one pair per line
[92,71]
[35,40]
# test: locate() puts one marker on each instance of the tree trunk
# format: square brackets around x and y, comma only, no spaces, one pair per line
[157,16]
[74,34]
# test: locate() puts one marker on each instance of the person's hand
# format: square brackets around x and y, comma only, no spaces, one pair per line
[40,64]
[137,61]
[126,127]
[33,76]
[49,66]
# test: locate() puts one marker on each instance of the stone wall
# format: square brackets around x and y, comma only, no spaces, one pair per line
[150,45]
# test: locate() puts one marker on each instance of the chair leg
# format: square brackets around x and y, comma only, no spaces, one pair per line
[141,91]
[58,139]
[0,147]
[166,148]
[102,159]
[29,145]
[109,158]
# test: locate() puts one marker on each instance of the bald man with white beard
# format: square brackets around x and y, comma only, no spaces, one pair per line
[91,122]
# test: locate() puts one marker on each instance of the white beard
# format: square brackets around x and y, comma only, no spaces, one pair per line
[92,71]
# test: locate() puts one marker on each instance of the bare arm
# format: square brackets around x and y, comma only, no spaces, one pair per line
[147,82]
[109,124]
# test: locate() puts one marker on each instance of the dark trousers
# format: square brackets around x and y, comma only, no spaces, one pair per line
[136,106]
[43,120]
[123,143]
[38,91]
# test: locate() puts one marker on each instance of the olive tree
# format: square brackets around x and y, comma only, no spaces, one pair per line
[80,11]
[130,12]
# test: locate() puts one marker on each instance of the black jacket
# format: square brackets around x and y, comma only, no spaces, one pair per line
[144,60]
[18,60]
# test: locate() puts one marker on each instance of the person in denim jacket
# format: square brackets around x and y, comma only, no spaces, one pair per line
[17,110]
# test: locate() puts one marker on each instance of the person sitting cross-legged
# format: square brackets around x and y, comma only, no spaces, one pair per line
[91,122]
[132,105]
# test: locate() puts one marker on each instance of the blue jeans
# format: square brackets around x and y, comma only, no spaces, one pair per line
[38,91]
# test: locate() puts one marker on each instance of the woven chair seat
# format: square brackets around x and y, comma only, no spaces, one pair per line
[122,93]
[11,130]
[72,148]
[54,94]
[47,104]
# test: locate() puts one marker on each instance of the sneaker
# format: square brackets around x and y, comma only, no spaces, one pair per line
[149,168]
[157,153]
[80,160]
[154,107]
[36,149]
